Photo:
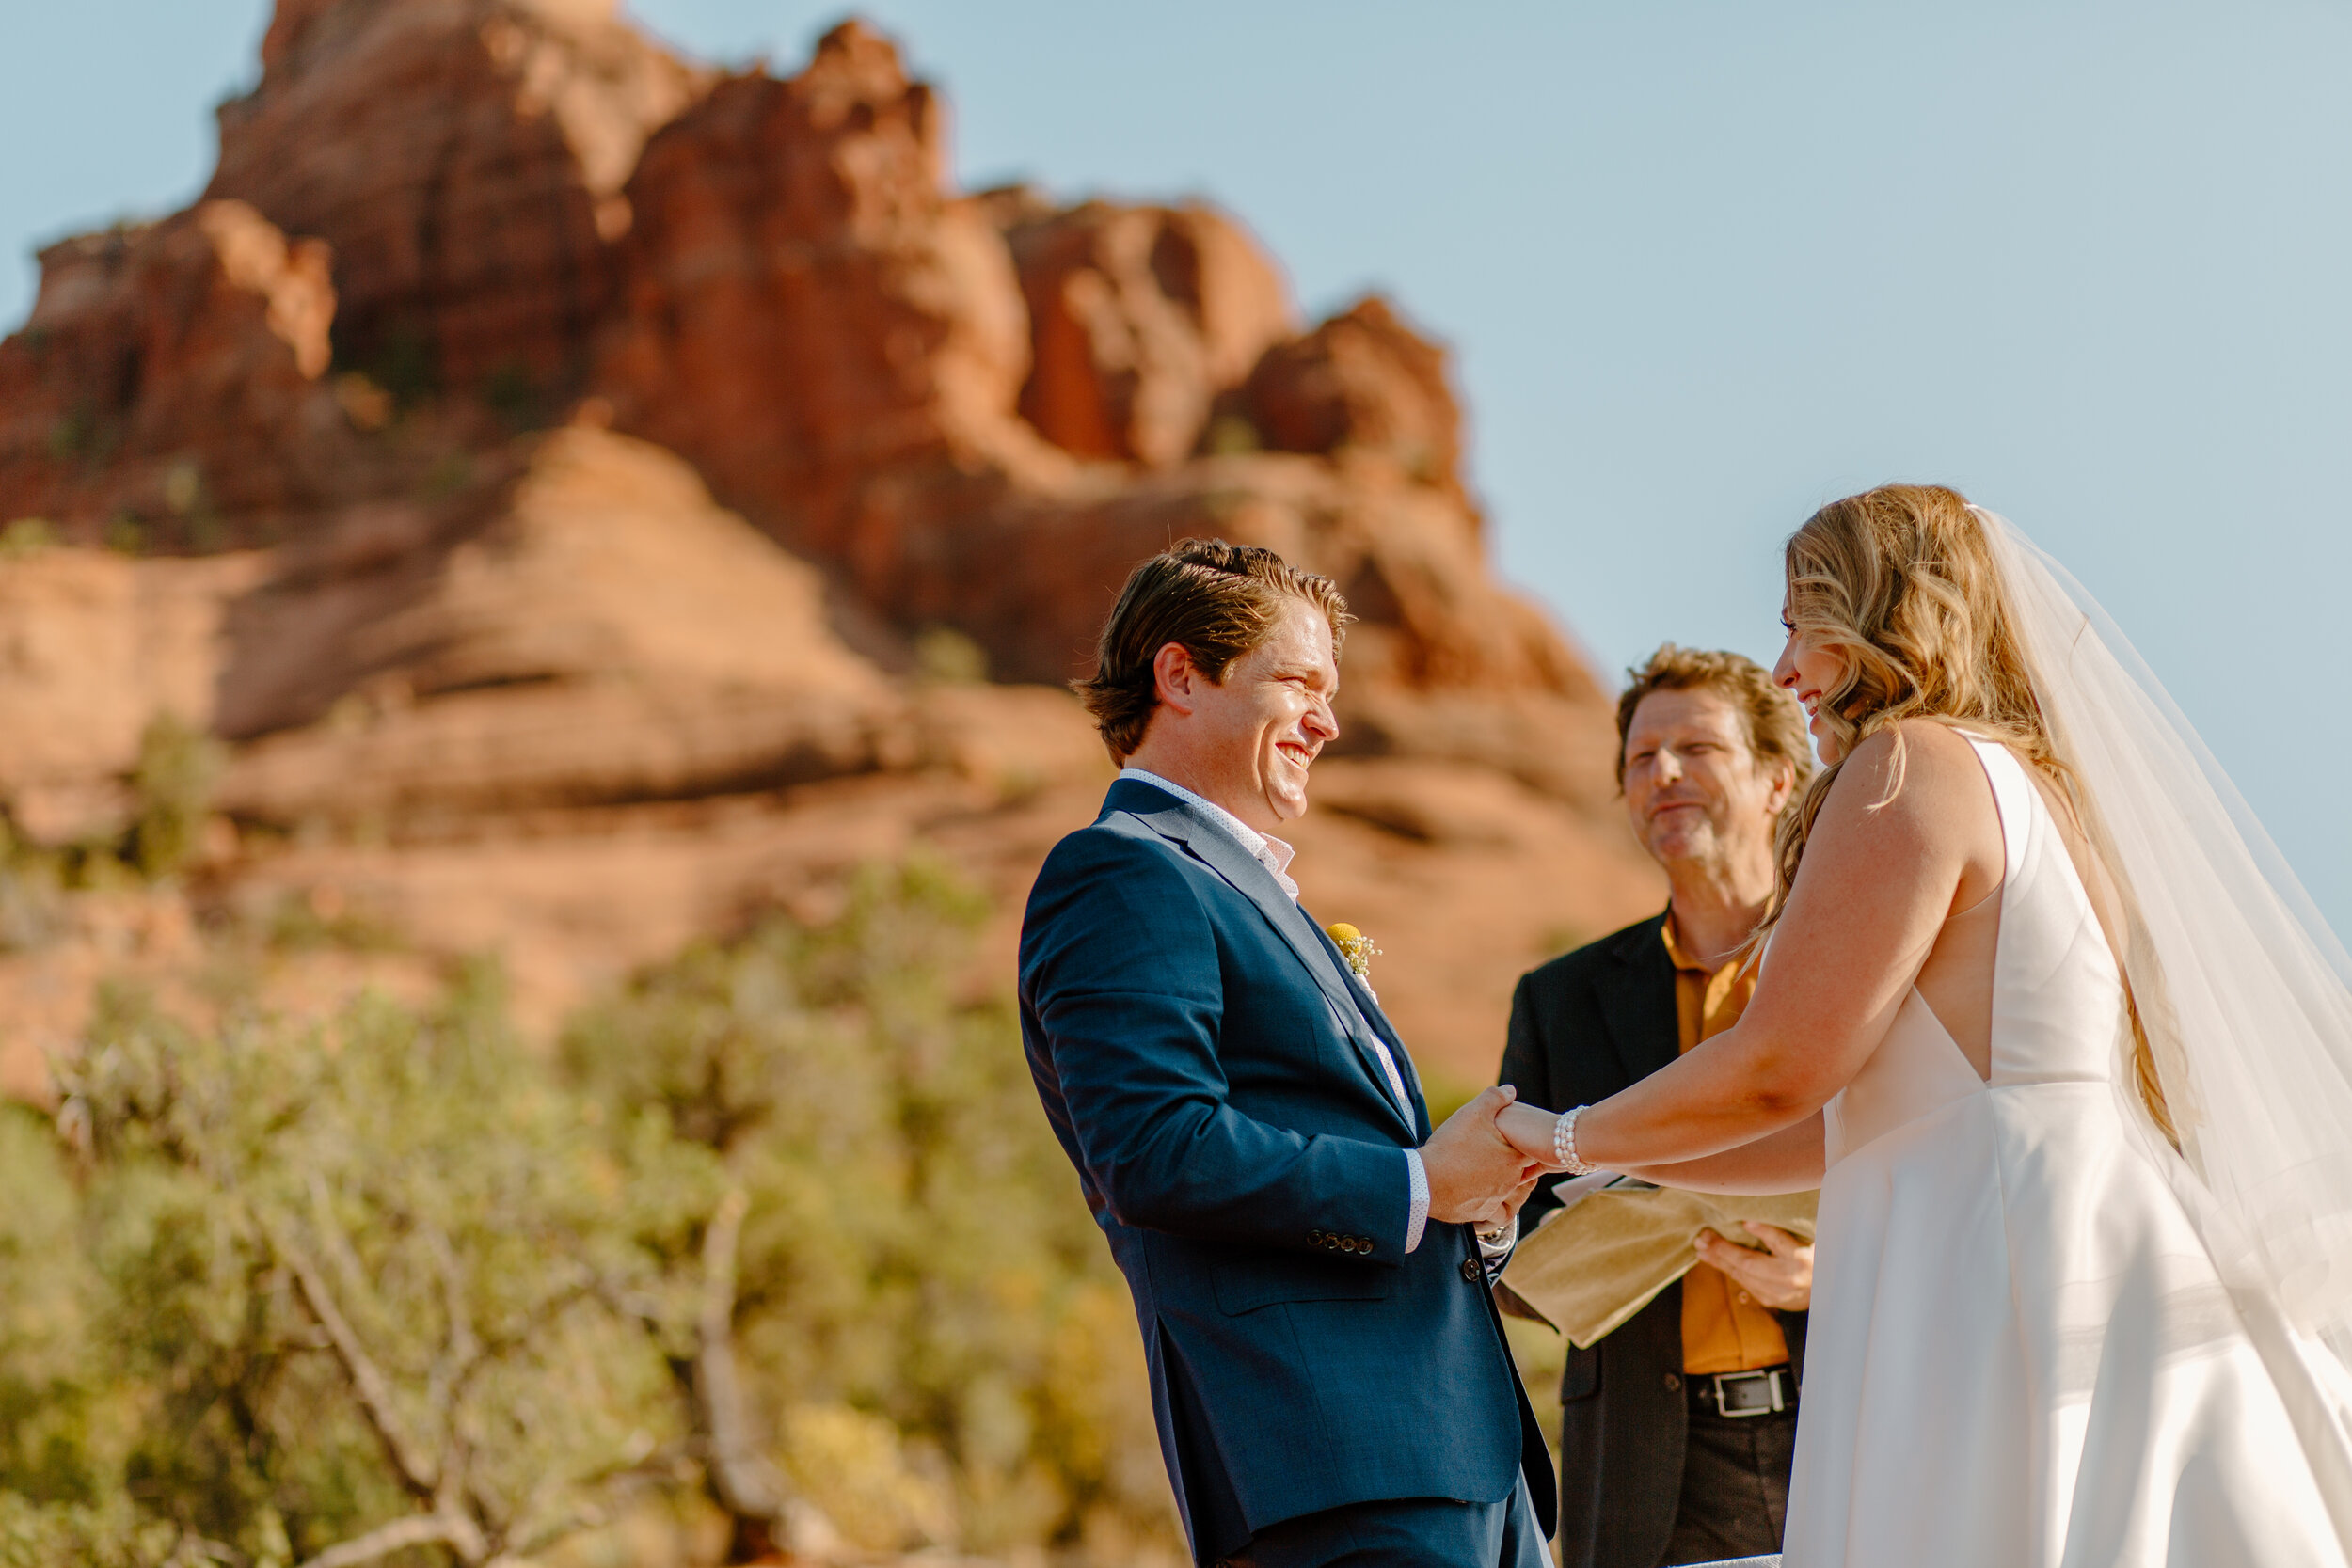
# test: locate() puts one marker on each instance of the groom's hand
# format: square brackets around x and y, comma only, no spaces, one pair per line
[1471,1166]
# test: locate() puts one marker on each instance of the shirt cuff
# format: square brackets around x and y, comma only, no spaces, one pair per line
[1500,1247]
[1417,1216]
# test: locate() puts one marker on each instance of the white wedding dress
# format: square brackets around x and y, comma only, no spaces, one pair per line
[2022,1352]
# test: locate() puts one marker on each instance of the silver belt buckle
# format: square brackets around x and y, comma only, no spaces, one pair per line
[1769,1377]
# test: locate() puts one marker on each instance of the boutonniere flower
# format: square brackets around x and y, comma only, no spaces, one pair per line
[1354,948]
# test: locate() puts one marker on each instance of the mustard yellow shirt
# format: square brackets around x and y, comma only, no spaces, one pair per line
[1723,1328]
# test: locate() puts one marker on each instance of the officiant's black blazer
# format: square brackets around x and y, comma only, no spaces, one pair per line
[1583,1028]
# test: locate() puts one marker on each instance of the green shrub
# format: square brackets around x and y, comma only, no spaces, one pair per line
[269,1289]
[950,656]
[916,1248]
[336,1278]
[177,769]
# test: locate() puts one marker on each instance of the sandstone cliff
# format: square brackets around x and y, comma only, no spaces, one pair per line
[592,499]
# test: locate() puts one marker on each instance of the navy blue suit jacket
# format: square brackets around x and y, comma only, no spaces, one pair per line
[1201,1048]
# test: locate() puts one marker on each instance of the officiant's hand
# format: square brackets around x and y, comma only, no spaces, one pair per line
[1472,1169]
[1781,1278]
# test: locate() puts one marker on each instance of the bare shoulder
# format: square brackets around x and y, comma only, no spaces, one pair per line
[1929,753]
[1931,788]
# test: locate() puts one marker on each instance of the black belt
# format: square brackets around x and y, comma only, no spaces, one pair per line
[1766,1391]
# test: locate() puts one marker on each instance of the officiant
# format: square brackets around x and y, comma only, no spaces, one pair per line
[1679,1429]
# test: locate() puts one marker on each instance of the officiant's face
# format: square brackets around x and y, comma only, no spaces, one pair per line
[1693,785]
[1265,723]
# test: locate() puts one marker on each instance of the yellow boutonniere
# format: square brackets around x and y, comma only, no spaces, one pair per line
[1354,948]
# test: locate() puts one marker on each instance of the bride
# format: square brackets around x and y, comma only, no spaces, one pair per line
[2071,1060]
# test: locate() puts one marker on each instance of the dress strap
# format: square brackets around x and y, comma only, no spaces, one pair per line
[2013,798]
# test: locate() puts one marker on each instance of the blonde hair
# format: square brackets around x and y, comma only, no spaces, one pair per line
[1900,583]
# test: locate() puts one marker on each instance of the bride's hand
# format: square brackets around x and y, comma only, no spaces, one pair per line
[1529,1129]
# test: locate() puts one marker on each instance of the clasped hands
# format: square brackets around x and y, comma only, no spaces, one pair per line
[1486,1158]
[1490,1154]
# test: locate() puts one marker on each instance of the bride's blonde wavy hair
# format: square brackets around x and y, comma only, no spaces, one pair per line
[1901,584]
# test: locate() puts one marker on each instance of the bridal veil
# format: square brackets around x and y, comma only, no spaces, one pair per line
[2244,991]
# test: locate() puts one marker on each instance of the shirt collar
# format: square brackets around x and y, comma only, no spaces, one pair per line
[1272,853]
[1680,958]
[1675,954]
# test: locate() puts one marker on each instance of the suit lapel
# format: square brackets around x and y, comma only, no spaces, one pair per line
[1637,1000]
[1369,1006]
[1174,820]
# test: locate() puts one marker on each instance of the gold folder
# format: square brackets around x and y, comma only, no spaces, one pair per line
[1612,1246]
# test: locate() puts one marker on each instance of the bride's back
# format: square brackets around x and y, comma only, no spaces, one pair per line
[1957,982]
[2021,986]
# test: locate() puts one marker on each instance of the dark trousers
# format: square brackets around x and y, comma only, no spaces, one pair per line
[1416,1532]
[1735,1487]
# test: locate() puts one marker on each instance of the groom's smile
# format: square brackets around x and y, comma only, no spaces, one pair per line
[1280,696]
[1248,740]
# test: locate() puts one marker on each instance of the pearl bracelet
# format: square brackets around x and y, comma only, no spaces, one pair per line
[1564,1143]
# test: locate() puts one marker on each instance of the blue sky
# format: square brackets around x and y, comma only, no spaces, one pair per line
[1705,265]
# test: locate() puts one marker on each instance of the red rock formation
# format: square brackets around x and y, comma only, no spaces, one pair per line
[1139,317]
[1362,382]
[170,373]
[540,694]
[97,646]
[609,636]
[807,310]
[466,160]
[1443,661]
[834,340]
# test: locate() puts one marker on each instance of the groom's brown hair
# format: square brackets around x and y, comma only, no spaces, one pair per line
[1215,600]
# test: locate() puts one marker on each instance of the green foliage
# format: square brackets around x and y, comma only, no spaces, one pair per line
[266,1289]
[945,655]
[451,472]
[406,363]
[1231,435]
[517,397]
[183,487]
[45,1535]
[173,781]
[1446,1091]
[171,790]
[32,894]
[26,536]
[77,434]
[916,1250]
[255,1223]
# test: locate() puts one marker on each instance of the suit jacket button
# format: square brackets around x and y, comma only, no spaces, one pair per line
[1471,1273]
[1674,1382]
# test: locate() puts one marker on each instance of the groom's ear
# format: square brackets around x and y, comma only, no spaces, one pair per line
[1176,679]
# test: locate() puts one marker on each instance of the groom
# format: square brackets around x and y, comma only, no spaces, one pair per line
[1327,1370]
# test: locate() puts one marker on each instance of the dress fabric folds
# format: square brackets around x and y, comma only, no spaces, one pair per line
[2021,1353]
